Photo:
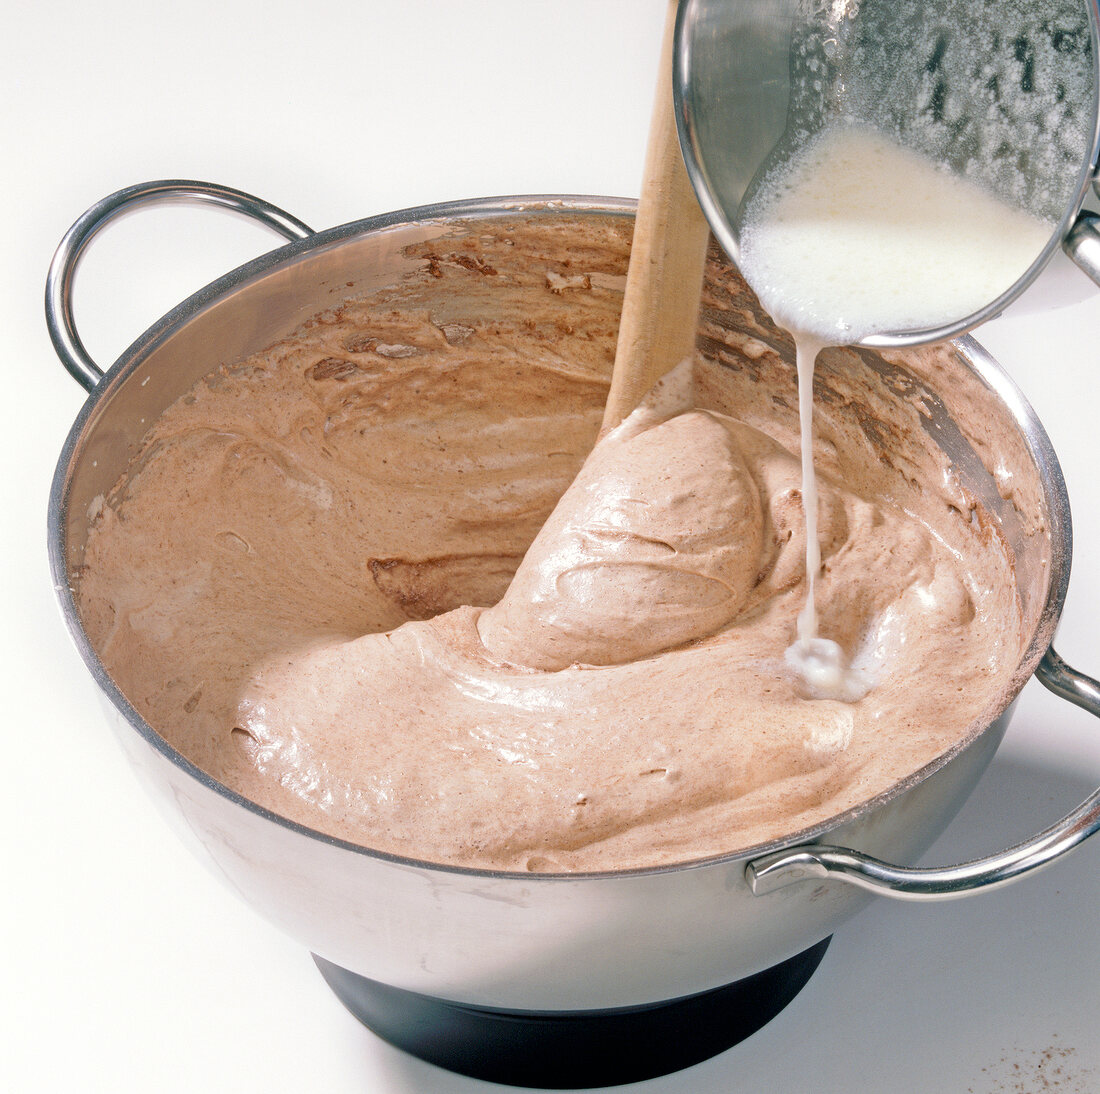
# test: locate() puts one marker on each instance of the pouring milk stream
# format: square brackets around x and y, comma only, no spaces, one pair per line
[824,236]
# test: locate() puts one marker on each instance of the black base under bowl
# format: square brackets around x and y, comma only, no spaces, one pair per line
[571,1049]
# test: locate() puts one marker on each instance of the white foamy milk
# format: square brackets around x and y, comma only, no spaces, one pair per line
[856,236]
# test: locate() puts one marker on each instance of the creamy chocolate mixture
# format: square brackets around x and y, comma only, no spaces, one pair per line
[318,581]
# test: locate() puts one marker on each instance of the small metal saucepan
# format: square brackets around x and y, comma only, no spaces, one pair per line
[1004,95]
[558,952]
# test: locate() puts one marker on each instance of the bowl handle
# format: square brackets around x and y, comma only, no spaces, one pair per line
[782,868]
[59,282]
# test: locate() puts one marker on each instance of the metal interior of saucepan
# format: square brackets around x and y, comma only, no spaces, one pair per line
[267,299]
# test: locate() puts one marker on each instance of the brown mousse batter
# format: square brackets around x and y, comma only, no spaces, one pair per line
[305,580]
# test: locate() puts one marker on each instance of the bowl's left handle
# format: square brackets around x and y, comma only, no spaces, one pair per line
[782,868]
[59,282]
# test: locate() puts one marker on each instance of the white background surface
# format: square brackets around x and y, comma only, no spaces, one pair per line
[125,967]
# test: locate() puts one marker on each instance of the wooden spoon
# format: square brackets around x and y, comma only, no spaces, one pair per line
[665,278]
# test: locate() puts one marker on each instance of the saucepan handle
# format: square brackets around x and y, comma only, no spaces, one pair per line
[59,282]
[1082,243]
[782,868]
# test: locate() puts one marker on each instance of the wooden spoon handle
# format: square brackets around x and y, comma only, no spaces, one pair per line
[665,279]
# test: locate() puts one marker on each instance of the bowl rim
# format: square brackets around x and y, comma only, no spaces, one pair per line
[979,360]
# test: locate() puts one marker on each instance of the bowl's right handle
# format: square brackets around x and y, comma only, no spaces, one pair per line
[782,868]
[59,282]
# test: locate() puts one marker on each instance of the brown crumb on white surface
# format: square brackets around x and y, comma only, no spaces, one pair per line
[1055,1067]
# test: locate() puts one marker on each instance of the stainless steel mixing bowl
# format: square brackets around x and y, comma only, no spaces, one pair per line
[545,943]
